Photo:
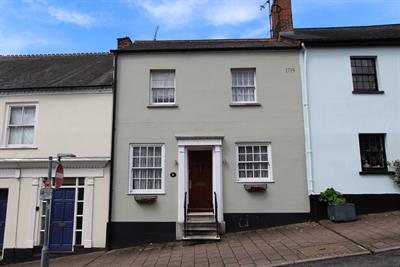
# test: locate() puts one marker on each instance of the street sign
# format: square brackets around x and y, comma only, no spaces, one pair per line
[59,175]
[46,193]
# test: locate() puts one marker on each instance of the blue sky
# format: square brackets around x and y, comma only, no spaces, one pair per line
[70,26]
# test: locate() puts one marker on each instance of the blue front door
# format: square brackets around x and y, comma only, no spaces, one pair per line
[3,211]
[62,220]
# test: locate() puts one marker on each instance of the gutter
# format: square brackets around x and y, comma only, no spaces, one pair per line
[109,233]
[307,124]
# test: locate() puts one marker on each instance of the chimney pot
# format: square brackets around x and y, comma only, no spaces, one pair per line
[124,42]
[282,21]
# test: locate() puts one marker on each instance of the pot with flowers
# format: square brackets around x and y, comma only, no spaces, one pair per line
[338,209]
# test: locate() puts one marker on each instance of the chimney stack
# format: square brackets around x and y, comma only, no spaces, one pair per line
[124,42]
[281,13]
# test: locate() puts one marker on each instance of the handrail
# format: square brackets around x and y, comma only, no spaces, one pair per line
[216,213]
[185,215]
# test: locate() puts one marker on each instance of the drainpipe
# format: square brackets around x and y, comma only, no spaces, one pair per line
[18,210]
[307,127]
[109,233]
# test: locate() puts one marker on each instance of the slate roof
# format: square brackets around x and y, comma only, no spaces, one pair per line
[210,44]
[52,71]
[356,34]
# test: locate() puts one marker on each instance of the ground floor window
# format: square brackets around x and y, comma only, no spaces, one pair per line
[372,152]
[146,174]
[254,162]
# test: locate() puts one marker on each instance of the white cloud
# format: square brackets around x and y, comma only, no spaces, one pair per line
[15,44]
[69,16]
[262,32]
[179,13]
[169,13]
[232,12]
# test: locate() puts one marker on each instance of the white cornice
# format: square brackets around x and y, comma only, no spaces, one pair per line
[34,163]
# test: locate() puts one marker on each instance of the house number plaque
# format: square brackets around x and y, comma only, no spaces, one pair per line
[172,174]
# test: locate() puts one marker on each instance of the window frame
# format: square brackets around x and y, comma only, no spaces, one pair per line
[270,178]
[371,170]
[132,191]
[376,75]
[6,128]
[151,103]
[255,86]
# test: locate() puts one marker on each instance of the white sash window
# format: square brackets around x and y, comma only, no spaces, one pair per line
[162,86]
[21,125]
[243,85]
[146,169]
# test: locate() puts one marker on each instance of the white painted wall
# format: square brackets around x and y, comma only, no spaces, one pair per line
[337,117]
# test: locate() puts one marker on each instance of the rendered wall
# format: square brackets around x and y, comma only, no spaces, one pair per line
[337,116]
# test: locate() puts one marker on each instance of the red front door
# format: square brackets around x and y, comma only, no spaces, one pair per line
[200,181]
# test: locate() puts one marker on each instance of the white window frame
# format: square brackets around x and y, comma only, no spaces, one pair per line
[255,180]
[255,85]
[6,130]
[132,191]
[151,87]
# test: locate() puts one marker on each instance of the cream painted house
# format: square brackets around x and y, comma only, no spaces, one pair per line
[53,104]
[209,139]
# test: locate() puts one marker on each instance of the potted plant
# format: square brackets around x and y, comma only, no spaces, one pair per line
[338,209]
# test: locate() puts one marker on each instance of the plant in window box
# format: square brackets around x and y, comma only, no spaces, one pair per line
[395,174]
[338,209]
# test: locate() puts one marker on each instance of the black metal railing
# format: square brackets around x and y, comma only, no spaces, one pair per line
[216,213]
[185,215]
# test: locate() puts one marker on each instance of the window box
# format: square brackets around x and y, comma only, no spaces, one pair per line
[145,199]
[255,187]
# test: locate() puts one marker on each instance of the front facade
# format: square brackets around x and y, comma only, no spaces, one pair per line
[57,104]
[206,132]
[351,84]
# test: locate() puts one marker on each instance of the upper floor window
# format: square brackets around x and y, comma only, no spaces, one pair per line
[146,169]
[21,124]
[254,162]
[162,86]
[243,85]
[364,74]
[372,150]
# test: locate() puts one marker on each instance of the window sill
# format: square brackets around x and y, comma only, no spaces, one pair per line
[17,147]
[163,106]
[381,172]
[145,193]
[366,92]
[255,181]
[245,105]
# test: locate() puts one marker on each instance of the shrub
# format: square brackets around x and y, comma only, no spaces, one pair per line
[332,197]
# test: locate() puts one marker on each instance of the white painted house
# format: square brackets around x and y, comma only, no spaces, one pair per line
[351,99]
[48,105]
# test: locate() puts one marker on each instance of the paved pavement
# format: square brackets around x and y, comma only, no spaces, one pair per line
[297,243]
[383,259]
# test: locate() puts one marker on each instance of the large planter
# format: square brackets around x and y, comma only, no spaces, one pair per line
[342,213]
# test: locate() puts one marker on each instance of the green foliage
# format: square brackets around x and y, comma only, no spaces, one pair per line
[332,197]
[395,165]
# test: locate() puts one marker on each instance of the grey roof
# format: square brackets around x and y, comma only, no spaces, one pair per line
[52,71]
[357,34]
[210,44]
